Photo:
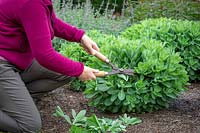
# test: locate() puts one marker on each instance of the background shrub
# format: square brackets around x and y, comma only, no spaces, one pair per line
[143,9]
[176,9]
[117,4]
[182,36]
[158,78]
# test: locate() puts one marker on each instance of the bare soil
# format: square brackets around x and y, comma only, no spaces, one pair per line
[183,115]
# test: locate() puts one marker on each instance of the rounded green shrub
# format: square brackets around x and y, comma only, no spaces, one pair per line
[158,76]
[182,36]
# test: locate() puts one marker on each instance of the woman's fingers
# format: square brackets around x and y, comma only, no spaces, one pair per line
[89,45]
[88,74]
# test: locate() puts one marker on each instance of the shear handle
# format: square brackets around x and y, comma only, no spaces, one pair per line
[101,56]
[101,74]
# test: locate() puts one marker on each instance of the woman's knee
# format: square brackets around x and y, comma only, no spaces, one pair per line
[31,126]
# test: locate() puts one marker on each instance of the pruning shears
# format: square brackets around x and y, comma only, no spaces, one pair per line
[115,70]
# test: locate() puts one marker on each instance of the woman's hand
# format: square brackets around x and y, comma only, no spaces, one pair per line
[88,74]
[89,45]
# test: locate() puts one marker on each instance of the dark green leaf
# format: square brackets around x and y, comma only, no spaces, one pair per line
[121,95]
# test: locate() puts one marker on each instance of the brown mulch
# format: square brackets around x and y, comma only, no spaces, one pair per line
[183,116]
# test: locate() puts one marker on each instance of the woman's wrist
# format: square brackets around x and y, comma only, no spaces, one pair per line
[82,39]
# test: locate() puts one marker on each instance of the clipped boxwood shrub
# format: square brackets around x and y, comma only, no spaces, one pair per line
[182,36]
[158,79]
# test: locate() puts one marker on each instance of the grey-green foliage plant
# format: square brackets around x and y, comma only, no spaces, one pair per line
[80,123]
[182,36]
[84,16]
[158,77]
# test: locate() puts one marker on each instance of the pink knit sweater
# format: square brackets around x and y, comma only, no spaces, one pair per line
[26,30]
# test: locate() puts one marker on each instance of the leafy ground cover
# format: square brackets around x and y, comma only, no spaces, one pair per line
[183,115]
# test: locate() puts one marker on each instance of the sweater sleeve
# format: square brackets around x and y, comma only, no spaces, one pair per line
[34,19]
[66,31]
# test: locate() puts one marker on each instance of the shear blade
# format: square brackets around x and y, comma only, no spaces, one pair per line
[128,71]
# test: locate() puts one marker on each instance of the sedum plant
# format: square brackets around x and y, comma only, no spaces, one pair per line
[158,77]
[80,123]
[182,36]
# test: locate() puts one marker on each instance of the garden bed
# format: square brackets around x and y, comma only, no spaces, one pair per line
[183,115]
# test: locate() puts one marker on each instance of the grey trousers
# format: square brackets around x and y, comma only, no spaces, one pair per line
[18,112]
